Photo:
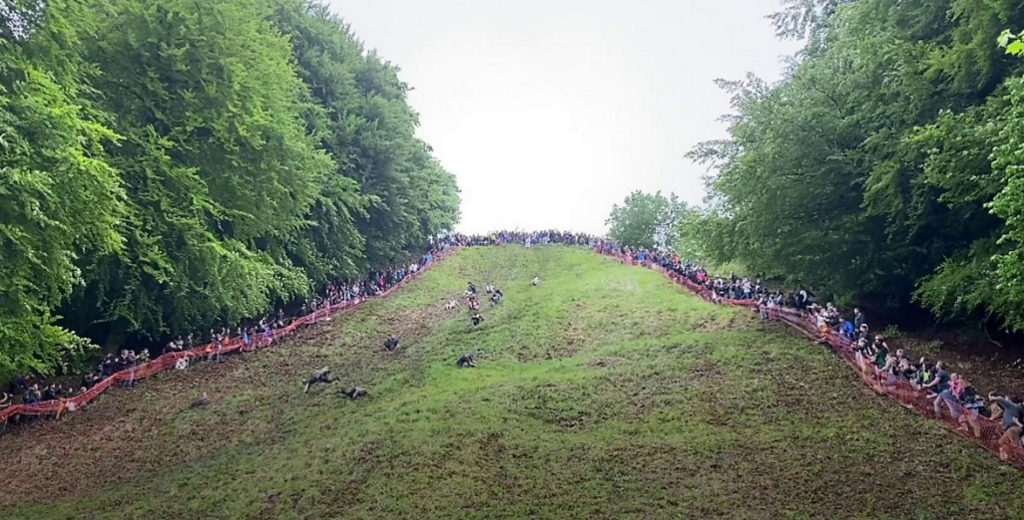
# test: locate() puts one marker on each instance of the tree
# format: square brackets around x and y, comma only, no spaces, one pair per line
[646,220]
[60,200]
[171,166]
[868,169]
[368,127]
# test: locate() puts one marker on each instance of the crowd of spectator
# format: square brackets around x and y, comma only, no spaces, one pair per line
[530,238]
[253,333]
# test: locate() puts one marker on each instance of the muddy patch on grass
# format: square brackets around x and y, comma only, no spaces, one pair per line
[132,435]
[604,362]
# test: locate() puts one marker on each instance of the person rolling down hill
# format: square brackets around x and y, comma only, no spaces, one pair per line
[466,361]
[536,281]
[391,343]
[355,393]
[201,402]
[497,297]
[320,376]
[476,319]
[471,289]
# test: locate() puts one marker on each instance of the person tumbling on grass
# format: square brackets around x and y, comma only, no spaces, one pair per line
[355,393]
[391,343]
[536,281]
[320,376]
[466,361]
[476,319]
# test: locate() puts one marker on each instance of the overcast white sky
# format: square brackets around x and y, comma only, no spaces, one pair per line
[550,111]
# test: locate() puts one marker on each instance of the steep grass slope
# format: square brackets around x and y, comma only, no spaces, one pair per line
[604,393]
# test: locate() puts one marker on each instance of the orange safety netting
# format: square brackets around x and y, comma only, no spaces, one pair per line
[986,432]
[167,361]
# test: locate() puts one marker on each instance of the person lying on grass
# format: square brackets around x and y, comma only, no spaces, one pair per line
[466,361]
[391,343]
[496,298]
[355,393]
[476,319]
[320,376]
[1012,422]
[490,288]
[471,289]
[536,281]
[474,303]
[452,304]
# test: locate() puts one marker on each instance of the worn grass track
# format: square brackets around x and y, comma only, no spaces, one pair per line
[604,393]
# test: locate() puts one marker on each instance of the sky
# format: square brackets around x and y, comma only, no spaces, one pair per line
[548,112]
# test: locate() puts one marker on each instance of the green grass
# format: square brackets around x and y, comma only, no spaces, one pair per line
[606,392]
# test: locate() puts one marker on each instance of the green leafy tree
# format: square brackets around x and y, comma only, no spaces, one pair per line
[171,166]
[219,169]
[646,220]
[868,170]
[60,200]
[368,127]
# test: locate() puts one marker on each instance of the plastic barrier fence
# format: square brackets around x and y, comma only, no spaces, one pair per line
[950,413]
[55,408]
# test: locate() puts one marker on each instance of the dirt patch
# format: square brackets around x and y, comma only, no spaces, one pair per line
[605,362]
[112,440]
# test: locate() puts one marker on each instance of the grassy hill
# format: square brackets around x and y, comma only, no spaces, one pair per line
[606,392]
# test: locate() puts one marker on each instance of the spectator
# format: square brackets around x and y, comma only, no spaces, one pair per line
[975,406]
[940,381]
[864,334]
[32,395]
[859,320]
[1012,422]
[881,352]
[848,330]
[864,352]
[950,398]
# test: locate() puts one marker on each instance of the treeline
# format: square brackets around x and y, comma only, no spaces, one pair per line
[168,166]
[887,166]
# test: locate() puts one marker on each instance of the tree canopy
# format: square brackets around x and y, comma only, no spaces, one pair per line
[646,220]
[885,165]
[167,166]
